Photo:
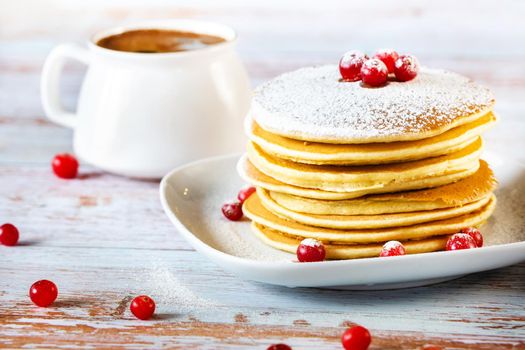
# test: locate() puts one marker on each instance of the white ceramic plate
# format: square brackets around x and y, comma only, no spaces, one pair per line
[193,195]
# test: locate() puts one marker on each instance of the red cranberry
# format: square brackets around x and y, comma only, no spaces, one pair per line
[475,234]
[310,250]
[65,166]
[350,65]
[374,72]
[279,347]
[388,57]
[8,235]
[460,241]
[431,347]
[245,193]
[43,293]
[406,68]
[232,211]
[392,248]
[356,338]
[142,307]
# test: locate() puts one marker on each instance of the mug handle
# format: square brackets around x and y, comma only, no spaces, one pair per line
[49,85]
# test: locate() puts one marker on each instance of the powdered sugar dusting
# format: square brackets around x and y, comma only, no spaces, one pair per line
[312,103]
[310,242]
[391,245]
[508,221]
[234,238]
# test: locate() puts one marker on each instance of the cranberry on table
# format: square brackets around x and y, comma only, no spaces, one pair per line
[392,248]
[406,68]
[142,307]
[356,338]
[65,166]
[431,347]
[460,241]
[388,57]
[9,235]
[310,250]
[245,193]
[279,347]
[374,72]
[350,65]
[43,293]
[232,210]
[475,234]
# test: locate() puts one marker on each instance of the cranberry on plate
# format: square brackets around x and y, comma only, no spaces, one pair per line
[245,193]
[310,250]
[460,241]
[392,248]
[475,234]
[232,210]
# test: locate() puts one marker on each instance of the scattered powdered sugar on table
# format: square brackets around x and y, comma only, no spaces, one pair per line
[311,103]
[166,288]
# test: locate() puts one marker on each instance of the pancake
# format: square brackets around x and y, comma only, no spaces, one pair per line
[369,153]
[289,244]
[312,104]
[348,178]
[464,191]
[252,175]
[353,222]
[255,210]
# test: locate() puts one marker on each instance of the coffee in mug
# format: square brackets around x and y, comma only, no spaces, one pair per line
[158,40]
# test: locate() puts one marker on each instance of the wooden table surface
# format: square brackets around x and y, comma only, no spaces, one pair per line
[104,238]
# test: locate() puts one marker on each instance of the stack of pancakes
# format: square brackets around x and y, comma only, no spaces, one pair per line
[355,167]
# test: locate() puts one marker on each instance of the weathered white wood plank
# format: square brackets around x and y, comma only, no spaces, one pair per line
[96,210]
[94,282]
[443,28]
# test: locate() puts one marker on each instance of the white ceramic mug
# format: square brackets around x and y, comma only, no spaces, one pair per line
[142,114]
